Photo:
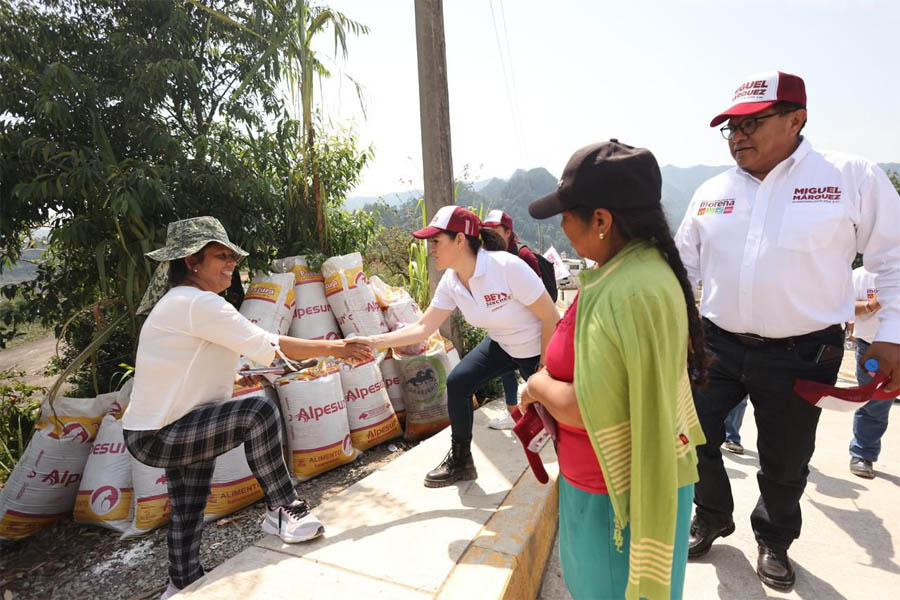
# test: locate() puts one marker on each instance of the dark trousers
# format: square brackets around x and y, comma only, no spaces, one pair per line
[786,427]
[485,362]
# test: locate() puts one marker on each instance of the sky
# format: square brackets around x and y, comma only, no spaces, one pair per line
[532,81]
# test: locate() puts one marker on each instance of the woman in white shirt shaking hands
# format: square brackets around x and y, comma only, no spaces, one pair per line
[181,415]
[494,290]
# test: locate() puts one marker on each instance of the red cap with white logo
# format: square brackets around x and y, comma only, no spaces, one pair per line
[497,217]
[758,92]
[455,219]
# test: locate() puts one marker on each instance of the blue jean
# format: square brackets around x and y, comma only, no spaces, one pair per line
[870,421]
[733,422]
[484,362]
[510,388]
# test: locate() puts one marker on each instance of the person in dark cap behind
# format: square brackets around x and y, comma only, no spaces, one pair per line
[617,382]
[772,240]
[501,223]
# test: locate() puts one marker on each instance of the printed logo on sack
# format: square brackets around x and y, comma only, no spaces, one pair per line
[317,309]
[54,477]
[815,195]
[314,413]
[497,299]
[104,499]
[426,379]
[108,448]
[263,291]
[716,207]
[357,393]
[347,445]
[161,480]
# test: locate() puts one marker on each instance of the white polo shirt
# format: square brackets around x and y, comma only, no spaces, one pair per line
[188,354]
[502,287]
[866,325]
[775,255]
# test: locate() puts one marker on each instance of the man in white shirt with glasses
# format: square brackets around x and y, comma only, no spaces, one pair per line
[772,240]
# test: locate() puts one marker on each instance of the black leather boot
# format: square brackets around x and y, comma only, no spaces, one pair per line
[774,568]
[703,535]
[456,466]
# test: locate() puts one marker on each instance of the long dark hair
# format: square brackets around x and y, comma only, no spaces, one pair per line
[489,240]
[650,224]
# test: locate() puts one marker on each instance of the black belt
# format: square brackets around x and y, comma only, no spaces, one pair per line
[757,341]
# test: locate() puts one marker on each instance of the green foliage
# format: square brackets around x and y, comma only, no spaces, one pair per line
[387,255]
[121,117]
[418,265]
[19,411]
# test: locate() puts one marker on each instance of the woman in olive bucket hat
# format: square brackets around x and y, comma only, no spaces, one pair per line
[181,415]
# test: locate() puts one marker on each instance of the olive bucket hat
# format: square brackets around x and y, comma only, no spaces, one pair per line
[183,238]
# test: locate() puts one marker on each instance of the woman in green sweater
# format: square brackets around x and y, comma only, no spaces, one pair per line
[617,380]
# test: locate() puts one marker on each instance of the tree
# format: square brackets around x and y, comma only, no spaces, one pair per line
[124,116]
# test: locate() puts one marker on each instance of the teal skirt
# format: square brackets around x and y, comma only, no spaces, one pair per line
[592,567]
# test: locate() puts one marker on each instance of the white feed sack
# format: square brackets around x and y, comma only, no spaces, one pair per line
[44,484]
[315,418]
[233,487]
[105,496]
[312,319]
[390,374]
[269,302]
[350,296]
[424,380]
[369,410]
[398,306]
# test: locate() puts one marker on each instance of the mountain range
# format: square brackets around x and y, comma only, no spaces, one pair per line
[514,194]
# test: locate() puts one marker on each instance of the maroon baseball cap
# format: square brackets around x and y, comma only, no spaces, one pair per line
[530,430]
[496,218]
[609,175]
[758,92]
[451,218]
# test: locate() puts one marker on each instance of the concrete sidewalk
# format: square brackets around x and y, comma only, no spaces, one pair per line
[850,525]
[388,536]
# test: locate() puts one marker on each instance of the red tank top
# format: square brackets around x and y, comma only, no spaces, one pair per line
[577,460]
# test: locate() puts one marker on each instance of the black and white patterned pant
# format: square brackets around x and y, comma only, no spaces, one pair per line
[187,450]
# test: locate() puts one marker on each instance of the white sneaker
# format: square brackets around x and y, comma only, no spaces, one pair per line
[504,422]
[170,591]
[293,523]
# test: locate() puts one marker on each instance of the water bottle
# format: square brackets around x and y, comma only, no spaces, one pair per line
[871,365]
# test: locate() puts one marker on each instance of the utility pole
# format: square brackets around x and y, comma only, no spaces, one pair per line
[434,114]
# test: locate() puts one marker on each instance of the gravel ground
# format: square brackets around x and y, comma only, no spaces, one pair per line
[69,560]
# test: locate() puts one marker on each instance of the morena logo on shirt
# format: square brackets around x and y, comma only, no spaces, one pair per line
[829,194]
[716,207]
[871,293]
[495,299]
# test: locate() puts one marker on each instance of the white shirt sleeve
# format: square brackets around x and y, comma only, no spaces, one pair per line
[878,239]
[523,282]
[443,298]
[213,319]
[687,240]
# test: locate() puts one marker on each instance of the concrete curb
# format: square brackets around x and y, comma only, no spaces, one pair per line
[506,561]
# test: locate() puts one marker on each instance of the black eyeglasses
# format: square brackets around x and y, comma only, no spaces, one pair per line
[748,126]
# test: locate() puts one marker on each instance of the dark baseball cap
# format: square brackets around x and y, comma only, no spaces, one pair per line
[605,175]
